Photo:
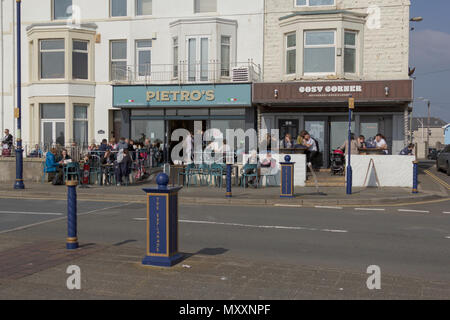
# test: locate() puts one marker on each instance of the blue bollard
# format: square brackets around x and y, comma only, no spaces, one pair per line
[72,240]
[162,224]
[415,177]
[229,194]
[287,178]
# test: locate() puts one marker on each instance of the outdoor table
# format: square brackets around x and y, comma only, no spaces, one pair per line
[293,150]
[366,151]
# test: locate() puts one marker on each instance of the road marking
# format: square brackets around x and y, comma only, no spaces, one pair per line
[288,205]
[414,211]
[437,179]
[254,226]
[370,209]
[60,218]
[446,212]
[328,207]
[447,237]
[32,213]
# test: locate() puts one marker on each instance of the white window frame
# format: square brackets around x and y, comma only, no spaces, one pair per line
[204,12]
[308,5]
[221,58]
[175,60]
[81,51]
[110,10]
[81,120]
[60,19]
[53,121]
[355,47]
[198,62]
[51,50]
[136,10]
[111,60]
[137,50]
[319,46]
[286,49]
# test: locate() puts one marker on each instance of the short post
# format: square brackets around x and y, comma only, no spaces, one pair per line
[415,177]
[162,224]
[72,240]
[229,194]
[287,178]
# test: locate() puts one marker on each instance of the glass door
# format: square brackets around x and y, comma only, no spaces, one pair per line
[318,129]
[198,57]
[53,133]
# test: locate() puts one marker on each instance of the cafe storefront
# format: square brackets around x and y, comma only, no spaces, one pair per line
[321,108]
[154,112]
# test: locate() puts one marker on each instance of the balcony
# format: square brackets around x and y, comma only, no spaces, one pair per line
[186,73]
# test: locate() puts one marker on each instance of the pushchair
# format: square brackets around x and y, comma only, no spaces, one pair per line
[337,162]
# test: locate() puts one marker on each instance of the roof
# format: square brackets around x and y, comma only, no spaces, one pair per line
[434,122]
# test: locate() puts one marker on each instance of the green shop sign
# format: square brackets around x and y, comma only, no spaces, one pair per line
[186,95]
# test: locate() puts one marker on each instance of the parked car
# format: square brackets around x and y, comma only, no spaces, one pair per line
[432,154]
[443,160]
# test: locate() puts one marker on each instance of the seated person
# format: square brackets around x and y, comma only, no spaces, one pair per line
[51,166]
[36,153]
[65,158]
[313,148]
[362,142]
[253,159]
[408,151]
[287,142]
[380,141]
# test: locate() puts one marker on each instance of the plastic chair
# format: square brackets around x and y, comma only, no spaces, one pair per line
[95,168]
[72,169]
[204,173]
[249,167]
[188,172]
[216,171]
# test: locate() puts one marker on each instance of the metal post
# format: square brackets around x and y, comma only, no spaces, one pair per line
[72,240]
[415,177]
[229,194]
[349,147]
[18,112]
[428,130]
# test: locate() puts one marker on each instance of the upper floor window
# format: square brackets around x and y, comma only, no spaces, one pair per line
[144,57]
[118,61]
[51,53]
[80,59]
[175,57]
[320,52]
[62,9]
[225,51]
[118,8]
[312,3]
[201,6]
[350,52]
[143,7]
[291,53]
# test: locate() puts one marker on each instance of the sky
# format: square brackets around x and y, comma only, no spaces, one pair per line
[430,54]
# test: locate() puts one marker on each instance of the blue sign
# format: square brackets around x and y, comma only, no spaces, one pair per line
[183,96]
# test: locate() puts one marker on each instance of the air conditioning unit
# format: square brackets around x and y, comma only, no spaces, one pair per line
[243,74]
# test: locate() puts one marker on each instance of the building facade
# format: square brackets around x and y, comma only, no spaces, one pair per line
[318,53]
[78,54]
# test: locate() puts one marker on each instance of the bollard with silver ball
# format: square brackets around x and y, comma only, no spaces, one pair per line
[287,178]
[415,177]
[162,224]
[72,240]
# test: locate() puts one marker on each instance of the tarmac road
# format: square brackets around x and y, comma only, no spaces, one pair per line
[412,240]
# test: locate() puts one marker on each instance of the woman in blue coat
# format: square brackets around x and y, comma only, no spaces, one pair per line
[51,166]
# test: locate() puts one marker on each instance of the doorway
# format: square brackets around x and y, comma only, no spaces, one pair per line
[288,126]
[318,129]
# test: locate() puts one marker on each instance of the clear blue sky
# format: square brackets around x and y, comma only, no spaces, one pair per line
[430,54]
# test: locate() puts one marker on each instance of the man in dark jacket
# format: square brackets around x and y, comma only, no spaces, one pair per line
[7,139]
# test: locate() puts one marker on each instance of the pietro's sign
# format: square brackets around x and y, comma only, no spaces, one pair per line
[178,95]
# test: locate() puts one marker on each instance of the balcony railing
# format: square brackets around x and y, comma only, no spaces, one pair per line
[184,72]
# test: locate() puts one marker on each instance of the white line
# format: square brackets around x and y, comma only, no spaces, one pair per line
[447,237]
[140,219]
[328,207]
[369,209]
[446,212]
[32,213]
[414,211]
[288,205]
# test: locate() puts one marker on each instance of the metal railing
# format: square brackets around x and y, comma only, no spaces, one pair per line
[185,72]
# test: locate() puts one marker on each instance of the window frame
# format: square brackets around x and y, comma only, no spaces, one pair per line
[286,49]
[136,10]
[222,44]
[354,47]
[176,63]
[81,51]
[85,120]
[137,50]
[53,12]
[313,6]
[121,16]
[202,12]
[305,46]
[51,50]
[111,60]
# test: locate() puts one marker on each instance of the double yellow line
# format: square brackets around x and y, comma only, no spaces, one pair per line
[438,180]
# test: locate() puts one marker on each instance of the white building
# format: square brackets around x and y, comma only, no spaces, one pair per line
[75,51]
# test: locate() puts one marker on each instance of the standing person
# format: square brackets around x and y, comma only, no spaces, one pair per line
[312,147]
[380,141]
[7,140]
[103,147]
[188,148]
[122,144]
[353,146]
[287,142]
[123,165]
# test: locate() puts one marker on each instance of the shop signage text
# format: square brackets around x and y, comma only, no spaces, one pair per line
[177,95]
[330,89]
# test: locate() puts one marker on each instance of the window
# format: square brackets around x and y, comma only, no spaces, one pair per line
[201,6]
[144,57]
[175,57]
[225,56]
[62,9]
[320,52]
[143,7]
[52,59]
[118,60]
[52,124]
[350,52]
[313,3]
[291,53]
[118,8]
[80,59]
[80,125]
[198,47]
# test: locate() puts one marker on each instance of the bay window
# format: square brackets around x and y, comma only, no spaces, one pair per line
[291,53]
[175,57]
[80,60]
[225,51]
[51,58]
[319,52]
[350,52]
[80,125]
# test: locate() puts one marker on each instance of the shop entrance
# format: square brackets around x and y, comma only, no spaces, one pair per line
[188,125]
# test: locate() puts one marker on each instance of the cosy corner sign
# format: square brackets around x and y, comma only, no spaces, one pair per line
[329,90]
[187,95]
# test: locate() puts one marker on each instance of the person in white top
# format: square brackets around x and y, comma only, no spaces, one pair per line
[312,150]
[380,141]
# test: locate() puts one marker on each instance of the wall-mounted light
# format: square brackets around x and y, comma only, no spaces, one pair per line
[386,91]
[275,93]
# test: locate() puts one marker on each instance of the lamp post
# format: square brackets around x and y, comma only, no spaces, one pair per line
[351,106]
[428,121]
[18,111]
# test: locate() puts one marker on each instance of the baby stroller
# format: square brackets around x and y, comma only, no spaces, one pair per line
[337,163]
